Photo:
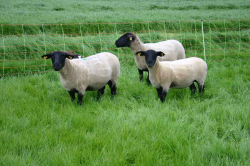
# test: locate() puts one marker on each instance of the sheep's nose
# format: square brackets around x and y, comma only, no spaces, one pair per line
[56,64]
[150,63]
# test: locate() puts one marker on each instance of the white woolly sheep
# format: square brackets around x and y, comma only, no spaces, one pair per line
[174,74]
[88,74]
[172,49]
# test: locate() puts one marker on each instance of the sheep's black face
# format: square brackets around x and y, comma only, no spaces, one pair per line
[125,40]
[150,56]
[58,60]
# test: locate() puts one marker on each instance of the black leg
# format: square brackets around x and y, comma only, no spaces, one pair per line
[113,88]
[72,94]
[140,74]
[100,92]
[162,94]
[80,96]
[192,88]
[201,88]
[159,91]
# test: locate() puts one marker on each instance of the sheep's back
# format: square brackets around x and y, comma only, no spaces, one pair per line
[172,49]
[186,71]
[102,68]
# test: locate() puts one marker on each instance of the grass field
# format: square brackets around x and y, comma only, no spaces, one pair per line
[39,125]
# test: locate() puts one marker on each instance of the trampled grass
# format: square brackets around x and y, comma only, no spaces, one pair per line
[39,125]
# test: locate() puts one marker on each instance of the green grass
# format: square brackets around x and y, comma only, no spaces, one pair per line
[39,125]
[42,12]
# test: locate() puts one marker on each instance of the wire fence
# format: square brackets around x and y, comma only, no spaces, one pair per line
[22,45]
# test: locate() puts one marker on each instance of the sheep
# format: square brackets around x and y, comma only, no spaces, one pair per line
[174,74]
[172,49]
[88,74]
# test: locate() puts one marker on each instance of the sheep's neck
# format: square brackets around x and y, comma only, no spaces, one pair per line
[153,70]
[64,72]
[137,45]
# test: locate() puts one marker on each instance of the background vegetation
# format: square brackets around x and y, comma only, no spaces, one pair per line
[39,125]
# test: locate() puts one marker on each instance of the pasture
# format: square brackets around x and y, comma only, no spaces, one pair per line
[39,125]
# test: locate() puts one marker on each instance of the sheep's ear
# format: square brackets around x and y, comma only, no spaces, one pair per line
[131,37]
[159,53]
[140,53]
[47,56]
[69,56]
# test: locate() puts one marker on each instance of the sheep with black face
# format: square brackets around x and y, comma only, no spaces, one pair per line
[174,74]
[88,74]
[172,49]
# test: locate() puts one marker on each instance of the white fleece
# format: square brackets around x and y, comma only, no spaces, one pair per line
[172,49]
[178,74]
[93,72]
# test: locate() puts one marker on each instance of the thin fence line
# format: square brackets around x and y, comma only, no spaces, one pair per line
[200,55]
[15,53]
[76,34]
[118,23]
[124,66]
[207,38]
[120,62]
[204,31]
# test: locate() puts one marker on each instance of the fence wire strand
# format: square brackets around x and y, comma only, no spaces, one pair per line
[198,38]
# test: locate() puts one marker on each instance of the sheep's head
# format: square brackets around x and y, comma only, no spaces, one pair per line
[58,59]
[125,40]
[150,56]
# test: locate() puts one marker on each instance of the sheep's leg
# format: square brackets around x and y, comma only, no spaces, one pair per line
[192,88]
[162,94]
[201,88]
[113,88]
[80,96]
[140,74]
[100,92]
[72,94]
[159,91]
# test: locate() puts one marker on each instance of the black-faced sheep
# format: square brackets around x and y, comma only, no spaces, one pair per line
[174,74]
[88,74]
[172,49]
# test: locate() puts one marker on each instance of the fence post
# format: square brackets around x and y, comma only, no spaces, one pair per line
[24,44]
[165,30]
[203,36]
[149,33]
[180,30]
[239,40]
[195,38]
[3,50]
[99,34]
[210,32]
[116,31]
[82,40]
[45,48]
[64,44]
[225,45]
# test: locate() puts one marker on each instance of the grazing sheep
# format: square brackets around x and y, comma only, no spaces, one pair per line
[174,74]
[172,49]
[92,73]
